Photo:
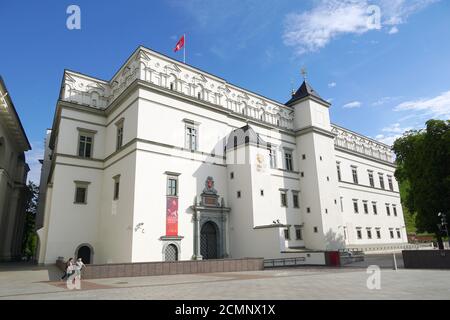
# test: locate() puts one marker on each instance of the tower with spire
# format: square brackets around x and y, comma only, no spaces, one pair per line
[323,224]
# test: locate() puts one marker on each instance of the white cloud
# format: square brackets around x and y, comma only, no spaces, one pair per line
[389,139]
[312,30]
[352,105]
[437,107]
[385,100]
[32,157]
[332,84]
[391,133]
[393,30]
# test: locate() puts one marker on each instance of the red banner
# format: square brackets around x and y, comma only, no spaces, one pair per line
[172,216]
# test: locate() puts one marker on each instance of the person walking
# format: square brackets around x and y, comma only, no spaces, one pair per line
[68,270]
[79,265]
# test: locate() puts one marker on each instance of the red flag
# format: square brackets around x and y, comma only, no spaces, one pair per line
[180,44]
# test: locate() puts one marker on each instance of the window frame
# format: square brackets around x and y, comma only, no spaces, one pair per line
[366,207]
[288,161]
[381,180]
[295,203]
[272,156]
[390,182]
[81,185]
[119,133]
[283,198]
[359,233]
[355,174]
[193,127]
[374,208]
[287,234]
[298,231]
[371,180]
[338,169]
[116,187]
[355,206]
[87,133]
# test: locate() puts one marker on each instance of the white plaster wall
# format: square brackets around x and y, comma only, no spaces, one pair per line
[72,224]
[349,191]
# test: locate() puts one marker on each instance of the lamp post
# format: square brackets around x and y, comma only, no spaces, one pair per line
[444,225]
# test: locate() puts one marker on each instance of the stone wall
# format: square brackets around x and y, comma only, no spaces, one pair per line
[426,259]
[115,270]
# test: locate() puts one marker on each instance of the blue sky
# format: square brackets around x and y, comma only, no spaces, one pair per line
[381,78]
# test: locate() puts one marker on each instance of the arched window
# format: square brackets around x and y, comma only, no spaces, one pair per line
[171,253]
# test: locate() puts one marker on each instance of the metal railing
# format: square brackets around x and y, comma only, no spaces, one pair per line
[284,262]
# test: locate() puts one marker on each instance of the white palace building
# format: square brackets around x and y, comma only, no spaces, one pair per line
[168,162]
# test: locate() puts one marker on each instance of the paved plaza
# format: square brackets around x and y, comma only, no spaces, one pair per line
[350,282]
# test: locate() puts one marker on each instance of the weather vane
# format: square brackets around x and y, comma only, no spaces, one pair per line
[304,73]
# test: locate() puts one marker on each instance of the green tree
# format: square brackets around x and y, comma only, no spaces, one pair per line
[423,159]
[29,241]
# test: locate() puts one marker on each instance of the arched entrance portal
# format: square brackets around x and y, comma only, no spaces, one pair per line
[208,241]
[85,253]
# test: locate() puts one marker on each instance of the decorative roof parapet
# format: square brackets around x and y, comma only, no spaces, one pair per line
[160,70]
[357,143]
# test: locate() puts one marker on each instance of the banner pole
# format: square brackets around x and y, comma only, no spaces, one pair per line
[184,49]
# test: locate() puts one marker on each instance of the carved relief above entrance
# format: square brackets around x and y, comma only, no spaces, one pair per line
[210,224]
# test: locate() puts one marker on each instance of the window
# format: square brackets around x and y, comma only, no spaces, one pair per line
[320,158]
[262,192]
[355,174]
[295,199]
[338,168]
[238,194]
[388,209]
[308,210]
[372,183]
[272,157]
[191,137]
[358,233]
[380,176]
[374,207]
[85,143]
[283,199]
[302,174]
[316,229]
[288,159]
[172,186]
[286,234]
[378,232]
[391,186]
[303,156]
[398,233]
[119,134]
[355,206]
[231,175]
[394,208]
[366,207]
[81,192]
[116,187]
[342,204]
[298,233]
[369,233]
[80,195]
[391,233]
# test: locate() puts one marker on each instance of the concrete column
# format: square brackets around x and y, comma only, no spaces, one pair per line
[224,236]
[197,233]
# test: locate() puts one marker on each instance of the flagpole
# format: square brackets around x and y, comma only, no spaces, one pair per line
[184,49]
